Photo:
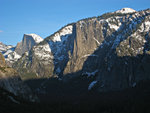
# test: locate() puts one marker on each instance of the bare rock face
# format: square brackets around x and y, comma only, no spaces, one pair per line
[29,40]
[112,49]
[88,37]
[11,81]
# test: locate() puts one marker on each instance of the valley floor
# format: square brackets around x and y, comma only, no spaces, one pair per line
[134,100]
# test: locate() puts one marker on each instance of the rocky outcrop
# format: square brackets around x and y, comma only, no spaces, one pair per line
[11,81]
[112,49]
[29,40]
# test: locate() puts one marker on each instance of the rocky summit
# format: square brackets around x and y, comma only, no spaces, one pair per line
[112,50]
[29,40]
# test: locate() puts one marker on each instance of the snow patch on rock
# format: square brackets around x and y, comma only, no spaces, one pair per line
[12,57]
[147,26]
[113,26]
[65,31]
[43,52]
[92,85]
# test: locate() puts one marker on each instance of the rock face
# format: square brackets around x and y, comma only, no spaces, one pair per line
[12,54]
[29,40]
[113,49]
[11,81]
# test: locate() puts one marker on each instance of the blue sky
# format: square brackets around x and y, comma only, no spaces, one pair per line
[44,17]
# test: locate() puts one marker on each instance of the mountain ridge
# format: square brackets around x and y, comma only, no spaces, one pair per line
[90,47]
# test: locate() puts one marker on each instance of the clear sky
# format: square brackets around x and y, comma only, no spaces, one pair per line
[44,17]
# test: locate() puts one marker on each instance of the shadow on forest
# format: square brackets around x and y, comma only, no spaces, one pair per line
[132,100]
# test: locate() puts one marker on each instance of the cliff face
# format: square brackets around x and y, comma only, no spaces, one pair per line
[89,35]
[29,40]
[112,49]
[11,81]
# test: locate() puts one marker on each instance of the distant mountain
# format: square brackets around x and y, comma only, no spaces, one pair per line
[126,10]
[4,48]
[12,54]
[112,50]
[29,40]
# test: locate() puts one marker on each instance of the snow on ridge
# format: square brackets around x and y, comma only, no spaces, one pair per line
[36,37]
[7,52]
[55,46]
[126,10]
[65,31]
[3,47]
[10,46]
